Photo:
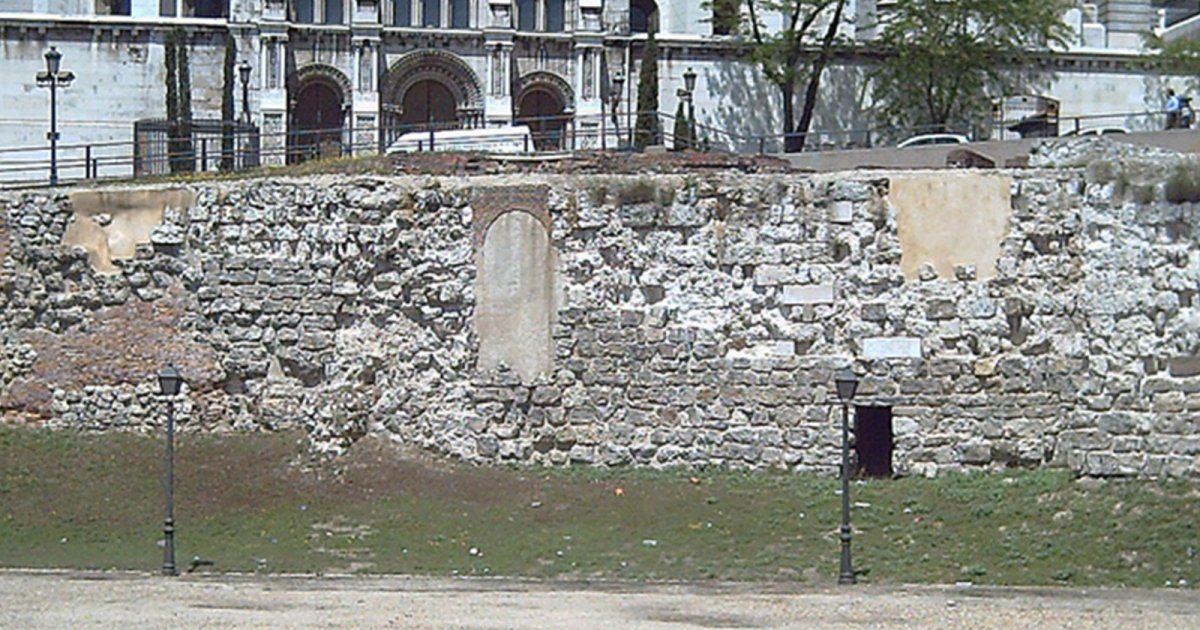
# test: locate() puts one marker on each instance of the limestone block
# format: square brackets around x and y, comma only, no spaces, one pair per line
[891,348]
[807,294]
[841,212]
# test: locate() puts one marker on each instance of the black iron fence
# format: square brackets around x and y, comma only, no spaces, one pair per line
[210,146]
[161,147]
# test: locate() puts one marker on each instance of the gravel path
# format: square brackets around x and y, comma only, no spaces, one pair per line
[30,600]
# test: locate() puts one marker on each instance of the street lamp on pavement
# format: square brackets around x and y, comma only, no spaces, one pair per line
[846,383]
[169,382]
[614,100]
[53,77]
[689,87]
[244,75]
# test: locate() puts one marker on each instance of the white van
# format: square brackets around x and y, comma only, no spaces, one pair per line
[514,139]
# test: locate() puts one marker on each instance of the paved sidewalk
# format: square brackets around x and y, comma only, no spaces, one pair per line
[30,600]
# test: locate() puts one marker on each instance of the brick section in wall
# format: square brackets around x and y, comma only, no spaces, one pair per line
[489,203]
[5,246]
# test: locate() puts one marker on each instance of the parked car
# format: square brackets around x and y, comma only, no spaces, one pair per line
[1095,131]
[931,139]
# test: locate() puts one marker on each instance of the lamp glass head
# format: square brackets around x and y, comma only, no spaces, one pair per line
[53,60]
[244,71]
[847,383]
[169,381]
[689,80]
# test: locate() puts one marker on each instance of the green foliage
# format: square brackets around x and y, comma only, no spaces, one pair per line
[791,57]
[947,59]
[646,133]
[78,500]
[179,102]
[227,100]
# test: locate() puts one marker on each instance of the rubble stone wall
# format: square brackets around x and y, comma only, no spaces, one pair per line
[697,319]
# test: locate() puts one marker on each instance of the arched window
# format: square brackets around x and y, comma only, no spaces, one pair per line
[556,15]
[432,13]
[304,11]
[333,11]
[460,16]
[643,14]
[402,12]
[526,15]
[726,15]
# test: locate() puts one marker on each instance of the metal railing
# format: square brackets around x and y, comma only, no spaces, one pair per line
[153,154]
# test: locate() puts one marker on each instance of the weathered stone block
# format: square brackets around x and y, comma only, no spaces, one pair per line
[807,294]
[891,348]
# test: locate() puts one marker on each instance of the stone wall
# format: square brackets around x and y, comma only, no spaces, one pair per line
[692,320]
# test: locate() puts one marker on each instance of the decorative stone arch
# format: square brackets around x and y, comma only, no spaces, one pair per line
[549,82]
[319,97]
[323,73]
[440,66]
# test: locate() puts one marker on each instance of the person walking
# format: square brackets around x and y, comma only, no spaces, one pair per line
[1174,104]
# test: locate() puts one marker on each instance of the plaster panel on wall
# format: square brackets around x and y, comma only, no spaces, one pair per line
[949,219]
[110,224]
[516,288]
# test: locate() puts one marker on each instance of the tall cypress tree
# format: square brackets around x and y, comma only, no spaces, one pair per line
[227,100]
[170,59]
[185,104]
[647,107]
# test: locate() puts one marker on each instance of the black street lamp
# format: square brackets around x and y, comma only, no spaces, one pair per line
[614,100]
[169,382]
[244,75]
[689,85]
[847,383]
[52,77]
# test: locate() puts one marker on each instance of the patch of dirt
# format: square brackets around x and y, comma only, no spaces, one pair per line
[607,162]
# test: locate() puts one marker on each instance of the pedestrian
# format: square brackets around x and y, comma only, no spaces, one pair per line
[1173,107]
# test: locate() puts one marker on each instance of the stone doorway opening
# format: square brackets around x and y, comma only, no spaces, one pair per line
[873,441]
[544,112]
[317,119]
[429,104]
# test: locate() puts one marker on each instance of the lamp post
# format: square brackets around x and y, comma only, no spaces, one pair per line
[846,383]
[52,77]
[614,100]
[169,382]
[244,75]
[689,89]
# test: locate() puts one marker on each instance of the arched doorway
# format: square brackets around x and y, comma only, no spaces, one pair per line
[430,86]
[544,112]
[317,122]
[428,104]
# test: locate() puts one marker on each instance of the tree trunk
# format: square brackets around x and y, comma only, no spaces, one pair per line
[789,116]
[814,78]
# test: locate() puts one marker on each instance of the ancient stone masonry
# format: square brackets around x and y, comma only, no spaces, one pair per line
[1039,318]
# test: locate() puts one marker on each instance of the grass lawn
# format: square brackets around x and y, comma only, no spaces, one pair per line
[248,503]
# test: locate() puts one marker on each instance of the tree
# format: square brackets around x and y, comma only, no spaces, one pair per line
[683,131]
[790,57]
[179,102]
[646,133]
[942,60]
[227,99]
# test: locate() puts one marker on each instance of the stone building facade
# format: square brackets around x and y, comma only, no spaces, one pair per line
[1016,318]
[328,70]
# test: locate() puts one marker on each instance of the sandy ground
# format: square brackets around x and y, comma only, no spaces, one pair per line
[30,600]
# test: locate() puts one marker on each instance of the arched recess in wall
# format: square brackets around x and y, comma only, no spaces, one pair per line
[319,98]
[642,15]
[546,103]
[516,295]
[430,88]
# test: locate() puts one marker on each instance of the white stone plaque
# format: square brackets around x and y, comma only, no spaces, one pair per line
[891,348]
[807,294]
